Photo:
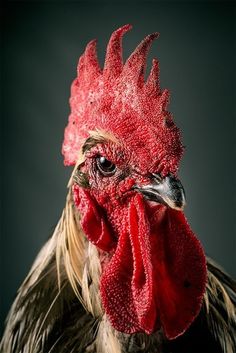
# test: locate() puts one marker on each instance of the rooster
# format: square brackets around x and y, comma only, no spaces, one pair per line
[123,271]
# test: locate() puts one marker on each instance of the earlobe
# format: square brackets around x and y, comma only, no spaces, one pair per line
[93,221]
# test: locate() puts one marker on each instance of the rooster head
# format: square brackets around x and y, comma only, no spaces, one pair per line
[128,194]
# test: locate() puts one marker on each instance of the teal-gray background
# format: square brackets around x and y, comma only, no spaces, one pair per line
[41,44]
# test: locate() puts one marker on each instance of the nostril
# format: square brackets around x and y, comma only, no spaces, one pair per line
[157,177]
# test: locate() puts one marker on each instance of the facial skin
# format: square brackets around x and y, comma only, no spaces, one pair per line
[112,178]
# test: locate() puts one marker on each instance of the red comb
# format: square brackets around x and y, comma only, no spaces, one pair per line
[118,100]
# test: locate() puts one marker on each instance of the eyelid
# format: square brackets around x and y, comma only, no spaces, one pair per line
[97,150]
[102,149]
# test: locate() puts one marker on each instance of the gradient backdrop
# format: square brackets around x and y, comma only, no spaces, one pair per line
[41,46]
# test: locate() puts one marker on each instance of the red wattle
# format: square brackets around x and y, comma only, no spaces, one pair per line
[157,274]
[142,284]
[179,266]
[127,282]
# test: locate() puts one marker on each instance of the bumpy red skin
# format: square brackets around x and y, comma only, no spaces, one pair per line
[118,100]
[156,273]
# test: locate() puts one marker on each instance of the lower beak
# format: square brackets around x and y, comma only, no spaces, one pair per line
[167,191]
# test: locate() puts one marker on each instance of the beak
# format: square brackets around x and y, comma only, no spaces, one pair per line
[167,191]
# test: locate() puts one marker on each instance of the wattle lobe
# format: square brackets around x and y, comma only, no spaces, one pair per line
[180,271]
[127,283]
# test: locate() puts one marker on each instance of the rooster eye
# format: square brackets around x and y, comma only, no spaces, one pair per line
[106,167]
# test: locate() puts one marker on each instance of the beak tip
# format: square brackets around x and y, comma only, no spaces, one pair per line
[180,205]
[180,208]
[168,191]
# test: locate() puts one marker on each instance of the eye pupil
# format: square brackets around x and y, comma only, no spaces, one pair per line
[105,166]
[105,163]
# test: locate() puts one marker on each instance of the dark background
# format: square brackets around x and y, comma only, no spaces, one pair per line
[41,44]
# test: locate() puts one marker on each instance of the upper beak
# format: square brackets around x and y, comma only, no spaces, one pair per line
[168,191]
